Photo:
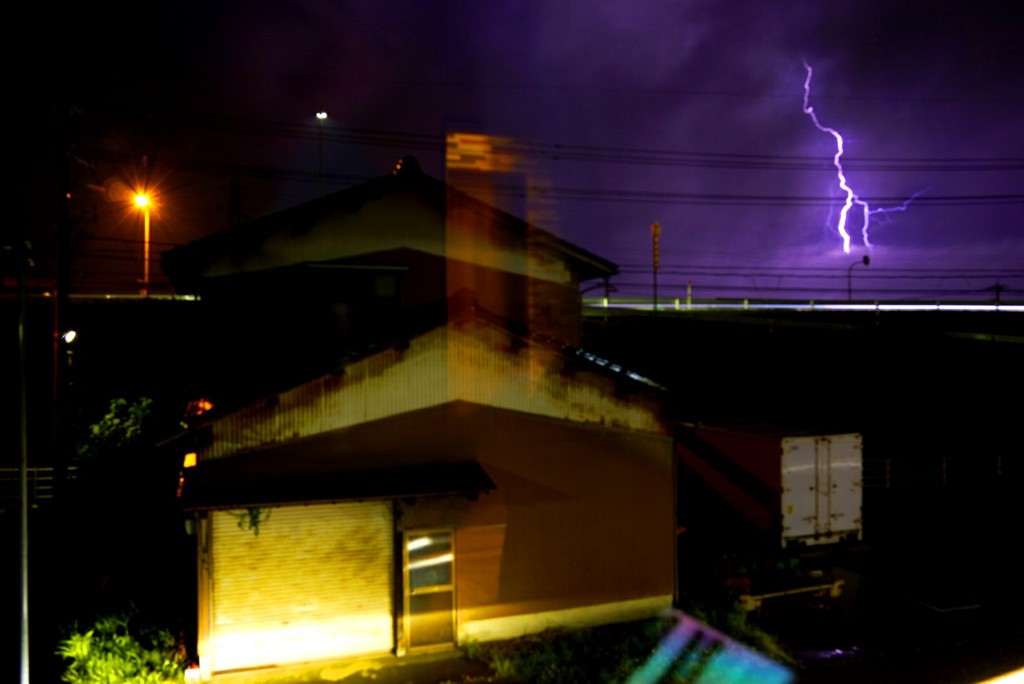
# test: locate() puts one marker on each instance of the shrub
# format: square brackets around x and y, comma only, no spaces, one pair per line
[605,654]
[571,656]
[116,652]
[122,426]
[737,623]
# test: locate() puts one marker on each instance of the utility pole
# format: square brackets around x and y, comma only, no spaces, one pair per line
[144,202]
[656,260]
[22,256]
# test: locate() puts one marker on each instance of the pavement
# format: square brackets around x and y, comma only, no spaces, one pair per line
[433,668]
[946,661]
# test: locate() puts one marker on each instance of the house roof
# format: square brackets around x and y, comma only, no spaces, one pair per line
[187,265]
[570,383]
[353,433]
[460,309]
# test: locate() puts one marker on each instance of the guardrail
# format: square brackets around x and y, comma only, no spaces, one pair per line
[41,484]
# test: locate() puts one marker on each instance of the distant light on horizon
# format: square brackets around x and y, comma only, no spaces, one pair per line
[676,304]
[1008,678]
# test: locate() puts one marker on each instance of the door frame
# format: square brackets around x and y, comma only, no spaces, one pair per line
[408,592]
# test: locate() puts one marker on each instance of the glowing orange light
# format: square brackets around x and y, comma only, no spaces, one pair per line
[198,407]
[190,460]
[142,201]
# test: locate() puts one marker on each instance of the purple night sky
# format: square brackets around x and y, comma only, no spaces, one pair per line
[685,113]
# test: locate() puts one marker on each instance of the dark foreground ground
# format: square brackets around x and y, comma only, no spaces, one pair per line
[909,643]
[926,622]
[887,659]
[878,635]
[934,599]
[957,624]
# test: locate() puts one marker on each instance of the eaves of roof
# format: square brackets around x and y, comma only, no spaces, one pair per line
[459,309]
[206,488]
[185,264]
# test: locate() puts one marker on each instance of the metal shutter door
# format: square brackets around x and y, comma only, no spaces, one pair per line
[315,582]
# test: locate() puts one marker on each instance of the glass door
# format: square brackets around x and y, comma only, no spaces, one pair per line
[429,588]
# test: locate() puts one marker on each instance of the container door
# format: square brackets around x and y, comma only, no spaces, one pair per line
[429,589]
[800,500]
[821,488]
[846,457]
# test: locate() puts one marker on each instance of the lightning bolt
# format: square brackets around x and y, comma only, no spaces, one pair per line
[851,197]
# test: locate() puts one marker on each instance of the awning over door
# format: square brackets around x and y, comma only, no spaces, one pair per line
[223,485]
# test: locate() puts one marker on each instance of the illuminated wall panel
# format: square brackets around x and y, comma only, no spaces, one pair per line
[469,362]
[314,582]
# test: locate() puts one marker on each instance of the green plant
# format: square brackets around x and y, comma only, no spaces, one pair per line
[251,519]
[116,652]
[571,656]
[123,424]
[606,654]
[737,623]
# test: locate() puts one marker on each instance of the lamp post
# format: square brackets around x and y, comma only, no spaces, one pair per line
[849,276]
[23,264]
[320,117]
[143,201]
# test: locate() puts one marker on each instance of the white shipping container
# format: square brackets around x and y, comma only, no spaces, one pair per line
[822,488]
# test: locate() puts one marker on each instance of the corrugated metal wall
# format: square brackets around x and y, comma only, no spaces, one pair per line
[314,582]
[388,383]
[462,363]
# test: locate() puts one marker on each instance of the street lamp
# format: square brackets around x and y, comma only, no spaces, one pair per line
[320,117]
[849,276]
[143,201]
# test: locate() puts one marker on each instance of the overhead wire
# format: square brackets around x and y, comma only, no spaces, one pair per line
[407,141]
[595,153]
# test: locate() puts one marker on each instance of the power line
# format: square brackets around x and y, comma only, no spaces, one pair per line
[578,194]
[730,199]
[557,151]
[817,271]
